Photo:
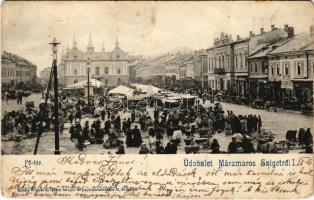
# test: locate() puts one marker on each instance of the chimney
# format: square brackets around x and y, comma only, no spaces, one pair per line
[289,30]
[272,27]
[262,30]
[252,34]
[238,37]
[311,31]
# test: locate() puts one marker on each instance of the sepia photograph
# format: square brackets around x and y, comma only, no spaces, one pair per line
[112,78]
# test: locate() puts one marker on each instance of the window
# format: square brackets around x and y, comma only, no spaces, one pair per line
[278,70]
[251,67]
[119,71]
[119,81]
[256,67]
[236,61]
[97,70]
[313,68]
[286,69]
[219,62]
[241,61]
[272,69]
[228,62]
[298,68]
[106,82]
[265,67]
[106,70]
[75,72]
[75,81]
[223,61]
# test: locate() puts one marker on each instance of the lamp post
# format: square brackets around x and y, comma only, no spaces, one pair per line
[88,85]
[54,44]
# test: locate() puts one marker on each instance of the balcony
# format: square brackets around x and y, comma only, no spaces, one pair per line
[219,71]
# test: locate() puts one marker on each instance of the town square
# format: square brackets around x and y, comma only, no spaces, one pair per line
[243,89]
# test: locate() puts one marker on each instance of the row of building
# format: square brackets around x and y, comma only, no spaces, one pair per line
[272,65]
[16,72]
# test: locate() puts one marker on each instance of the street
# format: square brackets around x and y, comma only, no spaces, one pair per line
[277,122]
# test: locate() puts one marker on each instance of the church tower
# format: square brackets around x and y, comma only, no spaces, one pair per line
[90,47]
[117,44]
[74,42]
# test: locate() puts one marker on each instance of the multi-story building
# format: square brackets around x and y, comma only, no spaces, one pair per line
[220,63]
[291,66]
[16,70]
[240,72]
[109,67]
[45,74]
[259,46]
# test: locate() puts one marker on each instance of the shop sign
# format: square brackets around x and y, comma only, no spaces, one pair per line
[286,84]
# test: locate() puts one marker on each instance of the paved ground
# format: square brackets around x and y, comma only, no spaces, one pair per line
[277,122]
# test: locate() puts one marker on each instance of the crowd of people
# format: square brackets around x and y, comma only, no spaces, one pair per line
[149,130]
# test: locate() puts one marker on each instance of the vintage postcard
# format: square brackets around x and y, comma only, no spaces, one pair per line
[157,100]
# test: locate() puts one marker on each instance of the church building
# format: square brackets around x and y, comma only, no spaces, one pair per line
[110,67]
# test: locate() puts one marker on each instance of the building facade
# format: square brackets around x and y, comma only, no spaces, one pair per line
[16,71]
[111,68]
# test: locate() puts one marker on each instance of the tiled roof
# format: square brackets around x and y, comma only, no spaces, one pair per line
[260,41]
[297,43]
[269,48]
[15,58]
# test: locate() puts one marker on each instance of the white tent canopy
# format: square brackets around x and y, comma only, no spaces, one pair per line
[81,85]
[148,89]
[122,90]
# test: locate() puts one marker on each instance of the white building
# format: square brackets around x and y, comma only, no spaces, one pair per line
[109,67]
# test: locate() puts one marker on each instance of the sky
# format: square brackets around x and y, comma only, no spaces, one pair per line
[142,28]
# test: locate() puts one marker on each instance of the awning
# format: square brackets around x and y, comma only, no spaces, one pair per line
[81,85]
[123,90]
[148,89]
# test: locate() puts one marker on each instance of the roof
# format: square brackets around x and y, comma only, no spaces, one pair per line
[260,41]
[76,53]
[269,48]
[82,84]
[15,58]
[299,42]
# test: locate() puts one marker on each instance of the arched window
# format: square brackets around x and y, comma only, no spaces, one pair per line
[97,70]
[119,71]
[106,70]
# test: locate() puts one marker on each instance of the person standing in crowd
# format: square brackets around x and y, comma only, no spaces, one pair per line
[215,146]
[232,147]
[120,147]
[107,126]
[137,137]
[85,131]
[171,147]
[144,149]
[124,126]
[159,148]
